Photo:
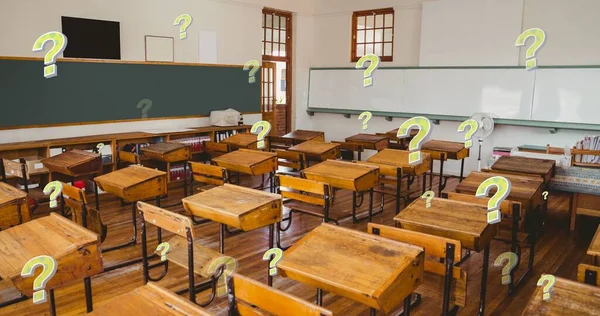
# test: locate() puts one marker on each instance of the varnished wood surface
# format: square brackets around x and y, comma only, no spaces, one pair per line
[369,269]
[462,221]
[374,142]
[525,165]
[236,206]
[10,194]
[344,175]
[594,249]
[149,299]
[168,152]
[453,150]
[304,135]
[566,298]
[12,203]
[252,162]
[399,159]
[558,252]
[316,150]
[134,183]
[241,140]
[75,249]
[74,163]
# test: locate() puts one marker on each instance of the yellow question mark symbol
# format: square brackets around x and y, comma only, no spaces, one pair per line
[145,105]
[165,250]
[545,195]
[255,65]
[469,134]
[60,43]
[424,126]
[56,188]
[100,146]
[187,21]
[266,128]
[367,118]
[368,81]
[277,255]
[503,190]
[428,196]
[546,290]
[230,267]
[512,263]
[540,38]
[49,267]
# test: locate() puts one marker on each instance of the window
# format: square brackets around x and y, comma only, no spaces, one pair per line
[373,33]
[275,36]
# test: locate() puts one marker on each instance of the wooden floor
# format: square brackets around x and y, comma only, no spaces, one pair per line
[558,253]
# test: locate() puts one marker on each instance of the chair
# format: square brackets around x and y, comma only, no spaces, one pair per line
[214,149]
[184,251]
[290,159]
[278,142]
[128,157]
[451,279]
[314,202]
[510,226]
[249,297]
[584,203]
[554,150]
[209,177]
[82,214]
[19,170]
[347,150]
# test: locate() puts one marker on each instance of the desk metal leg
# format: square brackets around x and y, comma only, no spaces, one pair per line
[462,169]
[87,283]
[372,312]
[424,183]
[398,190]
[442,184]
[431,175]
[52,304]
[96,196]
[484,274]
[370,204]
[271,245]
[185,183]
[354,219]
[319,297]
[133,239]
[407,305]
[222,238]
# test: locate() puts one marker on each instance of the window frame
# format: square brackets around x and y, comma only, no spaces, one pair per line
[365,13]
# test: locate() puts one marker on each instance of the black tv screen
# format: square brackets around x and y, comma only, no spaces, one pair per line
[91,38]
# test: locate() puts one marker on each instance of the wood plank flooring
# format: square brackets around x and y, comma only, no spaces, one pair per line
[558,252]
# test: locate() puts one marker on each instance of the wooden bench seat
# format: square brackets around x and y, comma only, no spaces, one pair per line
[203,256]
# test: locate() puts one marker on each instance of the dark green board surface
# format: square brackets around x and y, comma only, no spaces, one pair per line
[92,92]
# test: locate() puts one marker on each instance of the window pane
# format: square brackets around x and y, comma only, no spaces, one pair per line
[389,20]
[275,22]
[268,35]
[370,21]
[379,20]
[378,35]
[378,49]
[360,50]
[360,24]
[263,48]
[275,35]
[369,36]
[268,49]
[282,37]
[282,50]
[387,35]
[387,49]
[283,23]
[263,20]
[269,21]
[369,49]
[360,36]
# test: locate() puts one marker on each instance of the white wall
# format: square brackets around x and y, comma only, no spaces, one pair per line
[569,27]
[236,22]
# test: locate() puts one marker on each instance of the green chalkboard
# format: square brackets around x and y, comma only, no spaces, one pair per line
[96,91]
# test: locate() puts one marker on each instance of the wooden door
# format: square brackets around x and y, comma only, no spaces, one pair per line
[267,92]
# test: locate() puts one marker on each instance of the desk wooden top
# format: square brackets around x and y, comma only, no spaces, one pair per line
[594,249]
[462,221]
[241,140]
[236,206]
[366,268]
[75,249]
[317,150]
[149,299]
[134,183]
[524,189]
[566,298]
[453,150]
[10,194]
[394,133]
[168,152]
[526,166]
[74,163]
[395,158]
[344,175]
[304,135]
[248,161]
[375,142]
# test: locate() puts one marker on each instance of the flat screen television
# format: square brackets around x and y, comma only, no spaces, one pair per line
[91,38]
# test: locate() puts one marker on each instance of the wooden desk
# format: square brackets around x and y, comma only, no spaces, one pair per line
[365,268]
[240,207]
[300,136]
[461,221]
[374,142]
[442,150]
[526,166]
[132,184]
[566,298]
[317,150]
[251,162]
[75,249]
[241,140]
[594,249]
[346,175]
[170,152]
[150,299]
[14,206]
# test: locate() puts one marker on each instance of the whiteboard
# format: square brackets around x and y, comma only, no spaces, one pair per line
[567,95]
